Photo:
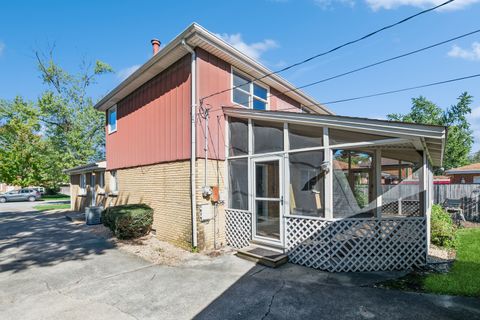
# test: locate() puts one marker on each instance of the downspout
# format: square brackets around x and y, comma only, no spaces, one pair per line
[193,138]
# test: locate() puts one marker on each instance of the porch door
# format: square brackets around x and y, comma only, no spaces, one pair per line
[267,199]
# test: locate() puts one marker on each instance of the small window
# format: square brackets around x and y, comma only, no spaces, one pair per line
[112,119]
[113,181]
[249,94]
[476,179]
[83,183]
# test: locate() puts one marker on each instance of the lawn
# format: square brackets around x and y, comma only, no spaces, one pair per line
[55,197]
[464,277]
[52,206]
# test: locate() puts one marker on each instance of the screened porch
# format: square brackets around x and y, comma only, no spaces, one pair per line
[334,193]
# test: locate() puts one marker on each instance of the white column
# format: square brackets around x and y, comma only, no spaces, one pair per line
[328,156]
[378,182]
[250,169]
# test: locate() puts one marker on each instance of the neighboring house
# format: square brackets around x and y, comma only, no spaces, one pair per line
[277,169]
[6,187]
[466,174]
[441,180]
[87,186]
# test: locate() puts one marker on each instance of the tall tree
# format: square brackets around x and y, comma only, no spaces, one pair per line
[21,146]
[460,136]
[73,129]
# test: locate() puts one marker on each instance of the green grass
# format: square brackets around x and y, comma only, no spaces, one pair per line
[53,206]
[464,277]
[55,197]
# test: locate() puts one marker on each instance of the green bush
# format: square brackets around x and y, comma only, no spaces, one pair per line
[443,230]
[128,221]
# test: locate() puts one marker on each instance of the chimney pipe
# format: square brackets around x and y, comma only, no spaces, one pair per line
[155,45]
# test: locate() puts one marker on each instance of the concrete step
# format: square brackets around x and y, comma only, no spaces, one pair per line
[262,256]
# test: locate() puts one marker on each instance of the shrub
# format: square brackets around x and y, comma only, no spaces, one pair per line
[128,221]
[443,230]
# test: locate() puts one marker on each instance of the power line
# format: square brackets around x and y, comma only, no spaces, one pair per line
[374,94]
[373,64]
[333,49]
[402,90]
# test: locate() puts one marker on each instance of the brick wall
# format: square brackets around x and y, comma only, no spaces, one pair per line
[457,178]
[211,233]
[166,188]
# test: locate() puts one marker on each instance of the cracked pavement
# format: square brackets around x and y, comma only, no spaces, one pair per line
[52,269]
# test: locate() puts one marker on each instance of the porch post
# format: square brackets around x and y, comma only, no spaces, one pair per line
[329,176]
[424,197]
[249,166]
[378,182]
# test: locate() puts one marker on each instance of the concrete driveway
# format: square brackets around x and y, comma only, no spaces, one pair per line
[51,269]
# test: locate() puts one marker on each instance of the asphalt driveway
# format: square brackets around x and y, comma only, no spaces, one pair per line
[51,269]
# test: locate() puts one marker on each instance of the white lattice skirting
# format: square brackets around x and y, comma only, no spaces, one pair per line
[357,244]
[238,228]
[347,245]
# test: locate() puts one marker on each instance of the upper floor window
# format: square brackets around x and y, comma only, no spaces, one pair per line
[248,93]
[112,119]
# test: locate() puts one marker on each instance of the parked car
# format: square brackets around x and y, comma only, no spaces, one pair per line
[20,195]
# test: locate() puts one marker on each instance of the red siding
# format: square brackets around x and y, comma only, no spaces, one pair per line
[215,75]
[153,123]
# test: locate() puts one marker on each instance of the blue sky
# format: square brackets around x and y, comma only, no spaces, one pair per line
[277,32]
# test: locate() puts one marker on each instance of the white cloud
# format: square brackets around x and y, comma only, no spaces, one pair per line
[2,47]
[473,54]
[124,73]
[253,50]
[475,115]
[393,4]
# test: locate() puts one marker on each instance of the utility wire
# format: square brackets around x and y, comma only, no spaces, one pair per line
[372,65]
[402,90]
[373,94]
[333,49]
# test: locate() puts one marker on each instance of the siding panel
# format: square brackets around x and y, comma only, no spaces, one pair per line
[152,121]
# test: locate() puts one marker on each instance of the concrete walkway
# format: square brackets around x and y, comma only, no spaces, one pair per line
[52,269]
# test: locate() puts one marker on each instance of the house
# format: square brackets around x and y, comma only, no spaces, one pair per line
[87,186]
[466,174]
[228,153]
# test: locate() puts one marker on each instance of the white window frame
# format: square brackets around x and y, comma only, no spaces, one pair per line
[251,95]
[116,119]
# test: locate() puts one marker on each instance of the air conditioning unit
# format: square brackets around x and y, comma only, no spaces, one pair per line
[93,215]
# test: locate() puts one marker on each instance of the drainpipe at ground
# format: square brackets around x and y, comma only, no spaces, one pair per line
[193,152]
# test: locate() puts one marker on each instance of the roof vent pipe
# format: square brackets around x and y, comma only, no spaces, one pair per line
[155,46]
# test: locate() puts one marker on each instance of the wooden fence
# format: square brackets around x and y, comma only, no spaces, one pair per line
[469,194]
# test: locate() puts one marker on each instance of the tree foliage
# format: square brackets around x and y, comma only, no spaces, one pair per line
[459,137]
[59,131]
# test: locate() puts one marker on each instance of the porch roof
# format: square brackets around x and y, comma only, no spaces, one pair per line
[94,166]
[429,138]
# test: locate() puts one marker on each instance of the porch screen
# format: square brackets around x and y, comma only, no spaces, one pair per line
[238,183]
[401,172]
[238,137]
[353,178]
[307,184]
[267,137]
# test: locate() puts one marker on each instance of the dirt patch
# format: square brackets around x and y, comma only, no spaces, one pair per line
[439,255]
[470,224]
[153,250]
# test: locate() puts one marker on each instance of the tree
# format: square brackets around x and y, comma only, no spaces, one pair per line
[460,136]
[475,157]
[73,129]
[21,146]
